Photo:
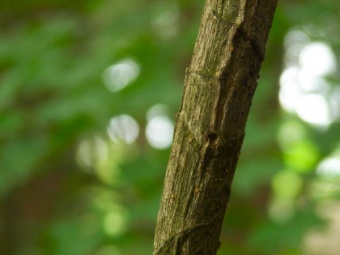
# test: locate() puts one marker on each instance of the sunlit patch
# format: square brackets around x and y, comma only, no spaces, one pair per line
[287,184]
[123,128]
[315,109]
[115,221]
[160,128]
[120,75]
[317,58]
[108,250]
[329,167]
[92,151]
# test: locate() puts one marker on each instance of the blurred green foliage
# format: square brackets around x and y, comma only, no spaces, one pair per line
[73,179]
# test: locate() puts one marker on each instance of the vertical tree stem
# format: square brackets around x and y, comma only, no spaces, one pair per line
[218,91]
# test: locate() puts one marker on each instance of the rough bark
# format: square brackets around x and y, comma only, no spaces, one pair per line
[218,91]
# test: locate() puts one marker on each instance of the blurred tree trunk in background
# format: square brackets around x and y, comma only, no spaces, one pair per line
[218,91]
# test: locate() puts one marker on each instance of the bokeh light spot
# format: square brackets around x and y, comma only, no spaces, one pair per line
[92,151]
[290,90]
[157,110]
[159,132]
[317,58]
[294,41]
[123,128]
[315,109]
[329,167]
[160,128]
[304,90]
[312,83]
[120,75]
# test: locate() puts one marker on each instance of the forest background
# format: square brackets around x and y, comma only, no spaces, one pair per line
[88,96]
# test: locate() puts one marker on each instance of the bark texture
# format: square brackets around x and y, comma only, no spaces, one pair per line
[218,91]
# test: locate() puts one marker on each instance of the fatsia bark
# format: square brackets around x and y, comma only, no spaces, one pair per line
[218,91]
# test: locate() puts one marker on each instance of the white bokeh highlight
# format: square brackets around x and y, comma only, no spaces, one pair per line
[317,58]
[160,128]
[159,132]
[315,109]
[304,89]
[116,77]
[329,167]
[92,151]
[123,129]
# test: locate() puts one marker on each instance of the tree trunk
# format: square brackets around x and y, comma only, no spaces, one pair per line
[218,91]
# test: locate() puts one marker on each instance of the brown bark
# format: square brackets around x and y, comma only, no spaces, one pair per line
[218,91]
